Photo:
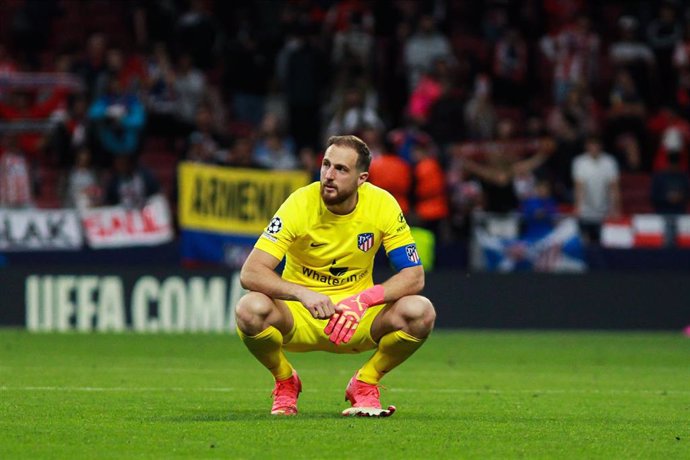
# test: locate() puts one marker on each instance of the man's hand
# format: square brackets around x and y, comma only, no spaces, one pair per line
[349,312]
[320,306]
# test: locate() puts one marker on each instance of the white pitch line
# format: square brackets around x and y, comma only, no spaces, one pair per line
[393,390]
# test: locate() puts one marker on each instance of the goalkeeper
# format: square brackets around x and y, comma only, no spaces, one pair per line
[329,232]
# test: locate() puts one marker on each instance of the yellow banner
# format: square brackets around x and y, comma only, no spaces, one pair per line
[232,200]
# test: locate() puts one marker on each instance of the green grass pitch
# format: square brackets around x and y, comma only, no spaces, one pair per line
[465,394]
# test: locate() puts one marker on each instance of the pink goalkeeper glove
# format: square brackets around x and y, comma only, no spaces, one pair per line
[344,322]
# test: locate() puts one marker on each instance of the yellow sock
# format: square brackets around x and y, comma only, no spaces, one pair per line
[267,347]
[394,348]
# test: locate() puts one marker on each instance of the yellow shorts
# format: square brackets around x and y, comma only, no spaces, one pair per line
[307,333]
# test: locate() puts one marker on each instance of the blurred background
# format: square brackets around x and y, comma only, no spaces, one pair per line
[535,136]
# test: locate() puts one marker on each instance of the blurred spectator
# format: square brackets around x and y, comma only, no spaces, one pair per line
[353,47]
[625,127]
[670,189]
[248,83]
[341,14]
[597,194]
[7,65]
[624,97]
[71,131]
[190,87]
[119,118]
[681,49]
[495,19]
[205,144]
[392,173]
[424,47]
[90,66]
[429,192]
[7,62]
[393,28]
[128,69]
[682,100]
[465,193]
[674,135]
[16,177]
[30,28]
[559,13]
[154,21]
[159,95]
[630,155]
[574,52]
[510,69]
[242,154]
[445,120]
[24,106]
[635,56]
[130,185]
[428,90]
[275,152]
[662,34]
[373,136]
[579,109]
[558,167]
[404,139]
[353,115]
[310,163]
[198,35]
[81,186]
[480,114]
[302,70]
[273,149]
[504,177]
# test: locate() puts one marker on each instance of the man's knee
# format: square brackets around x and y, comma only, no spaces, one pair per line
[423,311]
[251,312]
[416,315]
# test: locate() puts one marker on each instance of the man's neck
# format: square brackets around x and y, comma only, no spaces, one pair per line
[346,207]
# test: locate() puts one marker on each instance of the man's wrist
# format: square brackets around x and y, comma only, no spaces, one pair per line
[373,295]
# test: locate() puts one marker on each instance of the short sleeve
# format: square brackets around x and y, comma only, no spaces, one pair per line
[396,232]
[397,237]
[281,230]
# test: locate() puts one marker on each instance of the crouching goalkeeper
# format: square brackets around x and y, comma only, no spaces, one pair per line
[329,232]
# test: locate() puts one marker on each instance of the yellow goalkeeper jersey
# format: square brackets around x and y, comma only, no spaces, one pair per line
[334,254]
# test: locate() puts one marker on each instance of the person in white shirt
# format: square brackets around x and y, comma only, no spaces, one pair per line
[597,194]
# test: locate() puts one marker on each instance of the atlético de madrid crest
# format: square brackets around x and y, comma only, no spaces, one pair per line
[365,241]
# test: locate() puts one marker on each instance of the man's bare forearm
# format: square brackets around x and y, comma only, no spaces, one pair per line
[266,281]
[408,281]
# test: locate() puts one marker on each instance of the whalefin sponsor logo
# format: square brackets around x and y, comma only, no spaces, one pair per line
[333,279]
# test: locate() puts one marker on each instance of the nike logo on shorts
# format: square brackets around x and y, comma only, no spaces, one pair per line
[316,245]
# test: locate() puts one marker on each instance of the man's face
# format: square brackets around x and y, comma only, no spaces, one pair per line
[340,177]
[594,148]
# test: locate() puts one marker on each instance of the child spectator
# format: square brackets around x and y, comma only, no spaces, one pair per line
[81,187]
[131,185]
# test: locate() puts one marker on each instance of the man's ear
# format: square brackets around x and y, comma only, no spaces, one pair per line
[362,178]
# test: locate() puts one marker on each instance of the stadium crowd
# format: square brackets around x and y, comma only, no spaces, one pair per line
[502,105]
